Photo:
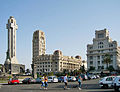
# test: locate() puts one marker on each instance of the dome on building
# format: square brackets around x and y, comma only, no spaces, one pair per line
[58,52]
[78,57]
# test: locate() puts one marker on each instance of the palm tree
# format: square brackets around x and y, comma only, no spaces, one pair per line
[107,60]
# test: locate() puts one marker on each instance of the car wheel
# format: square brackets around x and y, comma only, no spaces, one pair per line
[116,88]
[105,86]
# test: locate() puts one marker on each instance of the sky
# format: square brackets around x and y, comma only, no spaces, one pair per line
[69,25]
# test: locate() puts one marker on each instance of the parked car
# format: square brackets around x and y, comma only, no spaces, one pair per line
[97,76]
[29,80]
[13,81]
[106,82]
[61,79]
[38,80]
[71,78]
[93,77]
[116,83]
[52,79]
[89,77]
[84,76]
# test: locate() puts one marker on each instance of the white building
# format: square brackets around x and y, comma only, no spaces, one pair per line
[103,44]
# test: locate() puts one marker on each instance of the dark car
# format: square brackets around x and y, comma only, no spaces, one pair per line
[61,79]
[38,80]
[28,80]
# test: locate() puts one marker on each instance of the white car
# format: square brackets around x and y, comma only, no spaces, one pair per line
[106,82]
[116,83]
[52,79]
[71,78]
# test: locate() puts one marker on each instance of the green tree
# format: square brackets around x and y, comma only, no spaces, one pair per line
[82,68]
[50,74]
[110,68]
[107,60]
[91,68]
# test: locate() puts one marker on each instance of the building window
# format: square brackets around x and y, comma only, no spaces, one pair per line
[110,49]
[102,56]
[91,48]
[99,67]
[101,35]
[91,62]
[102,62]
[91,51]
[91,57]
[111,56]
[110,45]
[11,20]
[98,57]
[48,62]
[99,62]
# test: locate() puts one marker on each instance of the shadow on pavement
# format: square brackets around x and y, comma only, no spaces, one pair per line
[84,86]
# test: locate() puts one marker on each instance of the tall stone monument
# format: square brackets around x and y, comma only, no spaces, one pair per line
[11,63]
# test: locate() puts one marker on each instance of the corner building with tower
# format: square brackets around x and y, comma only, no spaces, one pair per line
[56,62]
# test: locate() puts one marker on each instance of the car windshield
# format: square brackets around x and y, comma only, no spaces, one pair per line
[55,77]
[26,78]
[14,79]
[101,79]
[49,77]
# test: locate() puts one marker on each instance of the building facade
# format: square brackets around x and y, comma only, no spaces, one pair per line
[103,44]
[56,62]
[11,63]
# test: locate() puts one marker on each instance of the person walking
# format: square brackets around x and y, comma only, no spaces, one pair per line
[65,81]
[80,82]
[42,86]
[46,81]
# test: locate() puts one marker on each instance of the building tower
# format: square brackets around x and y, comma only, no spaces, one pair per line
[38,43]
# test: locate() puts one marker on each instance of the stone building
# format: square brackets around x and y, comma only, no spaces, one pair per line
[103,44]
[55,62]
[11,63]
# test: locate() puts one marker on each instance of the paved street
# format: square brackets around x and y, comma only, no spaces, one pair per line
[88,86]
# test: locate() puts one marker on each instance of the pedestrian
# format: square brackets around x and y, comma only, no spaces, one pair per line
[65,81]
[43,84]
[80,82]
[46,81]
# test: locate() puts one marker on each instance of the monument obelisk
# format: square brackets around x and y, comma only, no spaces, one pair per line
[11,51]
